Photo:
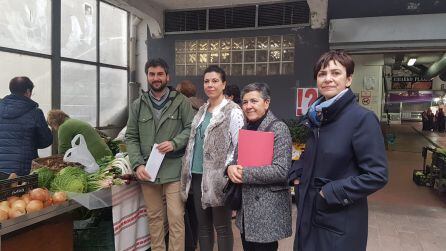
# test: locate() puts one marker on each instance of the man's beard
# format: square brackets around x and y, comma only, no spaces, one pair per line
[157,89]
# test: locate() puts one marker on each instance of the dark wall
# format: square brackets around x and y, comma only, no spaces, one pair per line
[310,44]
[375,8]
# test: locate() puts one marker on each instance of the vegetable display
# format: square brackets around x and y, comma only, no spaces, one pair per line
[34,201]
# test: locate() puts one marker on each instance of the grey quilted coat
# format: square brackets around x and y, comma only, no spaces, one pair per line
[266,206]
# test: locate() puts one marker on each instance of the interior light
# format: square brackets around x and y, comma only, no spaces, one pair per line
[411,61]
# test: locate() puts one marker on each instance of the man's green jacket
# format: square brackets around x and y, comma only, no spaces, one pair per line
[144,130]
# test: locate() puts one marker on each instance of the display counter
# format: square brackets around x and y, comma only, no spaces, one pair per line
[48,229]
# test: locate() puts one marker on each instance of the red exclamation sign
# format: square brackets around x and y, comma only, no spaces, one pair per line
[300,94]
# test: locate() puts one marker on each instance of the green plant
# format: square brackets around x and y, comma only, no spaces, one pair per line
[299,132]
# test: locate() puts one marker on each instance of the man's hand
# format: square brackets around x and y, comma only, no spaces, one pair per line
[142,174]
[235,173]
[165,147]
[296,182]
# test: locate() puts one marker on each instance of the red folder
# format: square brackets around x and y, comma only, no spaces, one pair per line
[255,148]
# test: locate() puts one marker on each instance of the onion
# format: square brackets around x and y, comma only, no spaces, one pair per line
[3,215]
[26,198]
[38,194]
[59,197]
[5,208]
[18,204]
[12,199]
[16,212]
[4,203]
[48,202]
[34,206]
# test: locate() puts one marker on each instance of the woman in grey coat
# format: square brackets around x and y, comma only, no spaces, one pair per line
[265,215]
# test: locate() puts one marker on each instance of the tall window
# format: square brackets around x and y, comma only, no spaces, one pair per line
[94,66]
[265,55]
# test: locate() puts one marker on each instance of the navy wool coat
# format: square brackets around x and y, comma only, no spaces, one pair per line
[23,130]
[345,158]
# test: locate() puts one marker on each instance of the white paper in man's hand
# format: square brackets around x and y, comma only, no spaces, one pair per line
[154,163]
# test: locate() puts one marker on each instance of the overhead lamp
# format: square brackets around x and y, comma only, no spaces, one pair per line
[411,61]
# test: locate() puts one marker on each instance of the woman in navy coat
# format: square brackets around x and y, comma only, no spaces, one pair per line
[344,161]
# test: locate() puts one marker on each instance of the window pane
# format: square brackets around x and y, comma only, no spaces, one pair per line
[262,56]
[237,56]
[236,69]
[225,57]
[262,42]
[203,58]
[191,70]
[237,43]
[180,70]
[214,45]
[180,46]
[288,41]
[249,56]
[180,58]
[78,91]
[226,68]
[261,69]
[274,55]
[213,57]
[274,69]
[78,29]
[225,44]
[203,45]
[26,25]
[113,35]
[274,42]
[248,69]
[191,58]
[287,68]
[288,55]
[191,46]
[113,96]
[201,68]
[250,42]
[38,70]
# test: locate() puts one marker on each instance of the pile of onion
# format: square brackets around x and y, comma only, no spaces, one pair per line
[34,201]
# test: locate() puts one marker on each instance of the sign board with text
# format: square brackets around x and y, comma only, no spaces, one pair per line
[305,97]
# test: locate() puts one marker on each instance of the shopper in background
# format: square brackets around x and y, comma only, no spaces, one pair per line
[160,116]
[23,128]
[188,89]
[232,92]
[265,215]
[212,141]
[67,128]
[439,119]
[344,162]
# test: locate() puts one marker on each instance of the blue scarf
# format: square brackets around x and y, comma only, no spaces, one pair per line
[315,110]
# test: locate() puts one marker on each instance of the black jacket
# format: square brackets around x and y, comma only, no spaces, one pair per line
[23,130]
[345,158]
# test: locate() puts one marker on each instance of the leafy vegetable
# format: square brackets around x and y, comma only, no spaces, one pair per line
[70,179]
[45,176]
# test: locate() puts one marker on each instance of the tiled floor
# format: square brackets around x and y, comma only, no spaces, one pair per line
[402,216]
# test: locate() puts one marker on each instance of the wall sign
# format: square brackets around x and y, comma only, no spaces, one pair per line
[411,83]
[305,97]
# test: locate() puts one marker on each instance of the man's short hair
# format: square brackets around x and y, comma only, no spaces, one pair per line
[20,85]
[155,63]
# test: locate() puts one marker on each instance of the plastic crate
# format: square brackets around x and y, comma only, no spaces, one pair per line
[17,186]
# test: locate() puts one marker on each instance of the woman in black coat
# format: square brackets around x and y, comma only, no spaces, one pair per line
[344,161]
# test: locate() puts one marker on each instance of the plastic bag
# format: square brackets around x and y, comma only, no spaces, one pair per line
[79,153]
